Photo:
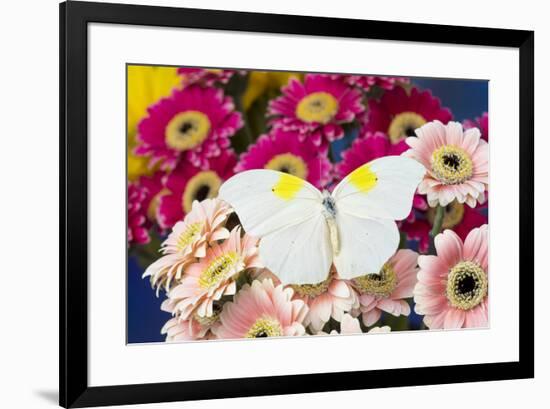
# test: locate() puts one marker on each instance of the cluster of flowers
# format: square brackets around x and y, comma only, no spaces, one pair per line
[215,284]
[217,288]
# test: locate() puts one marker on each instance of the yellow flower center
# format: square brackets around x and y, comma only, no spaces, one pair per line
[204,185]
[265,327]
[312,290]
[189,235]
[317,107]
[187,130]
[467,285]
[379,285]
[218,270]
[154,204]
[404,124]
[454,212]
[452,165]
[288,163]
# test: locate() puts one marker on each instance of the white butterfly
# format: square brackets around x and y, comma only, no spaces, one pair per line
[303,230]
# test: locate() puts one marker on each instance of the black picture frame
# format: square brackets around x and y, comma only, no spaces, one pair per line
[73,350]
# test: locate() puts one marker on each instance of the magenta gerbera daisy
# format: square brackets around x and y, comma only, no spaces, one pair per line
[398,113]
[187,183]
[203,76]
[194,123]
[316,108]
[457,163]
[154,190]
[137,215]
[452,287]
[482,123]
[368,146]
[367,82]
[283,151]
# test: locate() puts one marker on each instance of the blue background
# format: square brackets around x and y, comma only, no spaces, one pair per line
[467,99]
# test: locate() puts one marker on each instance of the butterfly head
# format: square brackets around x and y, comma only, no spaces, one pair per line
[328,204]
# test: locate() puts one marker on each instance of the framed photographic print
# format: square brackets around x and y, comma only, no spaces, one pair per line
[328,184]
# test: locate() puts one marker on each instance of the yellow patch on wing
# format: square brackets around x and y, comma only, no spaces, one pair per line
[287,186]
[363,178]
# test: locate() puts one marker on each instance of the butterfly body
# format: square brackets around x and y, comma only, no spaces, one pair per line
[329,212]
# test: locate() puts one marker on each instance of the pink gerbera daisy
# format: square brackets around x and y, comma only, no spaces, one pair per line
[187,183]
[482,123]
[398,114]
[461,219]
[194,328]
[187,330]
[367,147]
[262,310]
[457,163]
[283,151]
[330,298]
[194,123]
[137,215]
[452,287]
[188,241]
[350,325]
[207,77]
[387,291]
[214,275]
[316,108]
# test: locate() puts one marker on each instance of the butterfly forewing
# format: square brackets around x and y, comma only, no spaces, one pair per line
[383,188]
[267,200]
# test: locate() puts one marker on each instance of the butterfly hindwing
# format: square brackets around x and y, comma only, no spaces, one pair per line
[299,254]
[365,245]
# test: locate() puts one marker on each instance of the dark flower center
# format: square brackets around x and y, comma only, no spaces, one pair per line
[466,285]
[452,165]
[452,161]
[410,131]
[186,127]
[380,285]
[202,192]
